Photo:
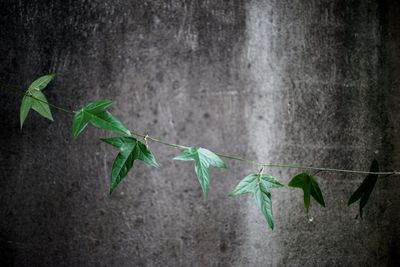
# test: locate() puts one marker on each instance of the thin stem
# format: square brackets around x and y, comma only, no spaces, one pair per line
[271,165]
[232,157]
[45,102]
[159,140]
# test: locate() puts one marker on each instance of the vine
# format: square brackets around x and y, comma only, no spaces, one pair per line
[131,149]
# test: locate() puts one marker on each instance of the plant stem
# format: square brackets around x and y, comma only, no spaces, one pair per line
[272,165]
[51,105]
[159,141]
[249,161]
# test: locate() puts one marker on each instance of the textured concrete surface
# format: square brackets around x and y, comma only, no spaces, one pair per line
[311,82]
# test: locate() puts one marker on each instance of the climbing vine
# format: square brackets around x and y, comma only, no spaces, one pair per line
[130,149]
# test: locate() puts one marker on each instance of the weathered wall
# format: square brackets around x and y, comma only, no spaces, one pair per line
[313,82]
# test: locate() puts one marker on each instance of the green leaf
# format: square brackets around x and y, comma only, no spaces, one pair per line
[41,82]
[35,99]
[264,202]
[364,191]
[247,185]
[26,105]
[40,104]
[203,159]
[310,187]
[130,150]
[99,105]
[96,114]
[270,182]
[259,185]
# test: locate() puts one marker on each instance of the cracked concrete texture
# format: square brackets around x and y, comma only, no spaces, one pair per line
[312,82]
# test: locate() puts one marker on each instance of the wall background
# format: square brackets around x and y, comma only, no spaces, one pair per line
[314,82]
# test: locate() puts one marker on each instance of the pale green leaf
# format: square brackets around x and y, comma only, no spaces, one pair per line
[203,160]
[259,185]
[211,158]
[264,203]
[187,154]
[270,182]
[247,185]
[203,175]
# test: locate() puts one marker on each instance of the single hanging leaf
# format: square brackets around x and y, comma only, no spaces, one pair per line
[364,191]
[203,159]
[41,82]
[35,99]
[130,150]
[259,185]
[96,114]
[310,187]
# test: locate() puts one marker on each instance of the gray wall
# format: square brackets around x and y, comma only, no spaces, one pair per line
[312,82]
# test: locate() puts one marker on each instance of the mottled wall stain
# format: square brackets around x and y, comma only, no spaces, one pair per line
[317,76]
[290,81]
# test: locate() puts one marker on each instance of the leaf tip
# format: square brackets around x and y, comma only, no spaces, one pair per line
[111,190]
[205,195]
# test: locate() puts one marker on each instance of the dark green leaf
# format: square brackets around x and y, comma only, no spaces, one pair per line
[364,191]
[96,114]
[203,160]
[316,193]
[41,82]
[310,187]
[259,185]
[130,150]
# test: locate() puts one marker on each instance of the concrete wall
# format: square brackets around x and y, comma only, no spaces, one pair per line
[311,82]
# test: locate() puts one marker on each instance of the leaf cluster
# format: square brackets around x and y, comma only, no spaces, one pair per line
[130,149]
[35,99]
